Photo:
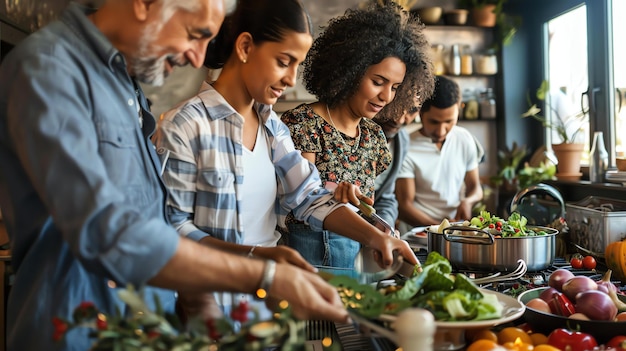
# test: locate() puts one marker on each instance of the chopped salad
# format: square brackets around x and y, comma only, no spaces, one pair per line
[449,297]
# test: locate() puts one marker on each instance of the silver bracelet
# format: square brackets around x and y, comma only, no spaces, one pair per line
[251,252]
[268,278]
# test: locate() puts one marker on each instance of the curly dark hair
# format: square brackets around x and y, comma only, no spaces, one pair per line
[361,38]
[265,20]
[446,94]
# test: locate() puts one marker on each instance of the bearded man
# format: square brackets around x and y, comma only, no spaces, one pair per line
[80,190]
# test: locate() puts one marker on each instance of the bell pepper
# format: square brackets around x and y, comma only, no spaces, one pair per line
[618,343]
[565,339]
[561,305]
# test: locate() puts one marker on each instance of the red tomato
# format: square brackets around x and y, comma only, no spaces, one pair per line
[574,341]
[589,262]
[576,263]
[618,342]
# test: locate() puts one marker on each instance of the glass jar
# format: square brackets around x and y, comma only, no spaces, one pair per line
[466,61]
[487,104]
[487,63]
[469,105]
[437,53]
[454,67]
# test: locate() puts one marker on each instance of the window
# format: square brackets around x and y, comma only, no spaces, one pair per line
[581,63]
[619,77]
[567,75]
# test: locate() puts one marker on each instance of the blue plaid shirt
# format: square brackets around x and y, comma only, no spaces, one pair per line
[204,172]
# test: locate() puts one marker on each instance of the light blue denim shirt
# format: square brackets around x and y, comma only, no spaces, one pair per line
[79,186]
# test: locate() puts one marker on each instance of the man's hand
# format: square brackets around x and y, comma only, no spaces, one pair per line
[464,211]
[309,296]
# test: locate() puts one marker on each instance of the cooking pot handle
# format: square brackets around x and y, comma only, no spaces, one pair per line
[538,188]
[477,236]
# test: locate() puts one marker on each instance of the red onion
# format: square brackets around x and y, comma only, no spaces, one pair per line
[547,294]
[578,284]
[596,305]
[559,277]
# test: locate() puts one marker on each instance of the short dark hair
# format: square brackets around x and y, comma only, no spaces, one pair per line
[447,93]
[265,20]
[361,38]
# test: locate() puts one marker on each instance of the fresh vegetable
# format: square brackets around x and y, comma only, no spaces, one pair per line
[576,262]
[449,297]
[485,345]
[539,305]
[573,341]
[615,256]
[546,295]
[578,284]
[477,334]
[514,226]
[621,317]
[607,286]
[511,334]
[559,277]
[579,316]
[538,338]
[561,305]
[589,262]
[596,305]
[617,342]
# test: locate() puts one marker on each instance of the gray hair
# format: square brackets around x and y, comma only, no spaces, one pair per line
[170,7]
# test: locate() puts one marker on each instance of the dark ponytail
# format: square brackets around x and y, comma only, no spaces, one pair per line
[265,20]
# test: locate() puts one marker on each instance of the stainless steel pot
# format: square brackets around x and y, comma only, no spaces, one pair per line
[470,249]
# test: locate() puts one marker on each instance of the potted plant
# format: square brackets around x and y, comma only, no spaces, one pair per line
[567,127]
[514,176]
[490,13]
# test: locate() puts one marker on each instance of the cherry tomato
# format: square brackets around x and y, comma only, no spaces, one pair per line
[485,345]
[576,263]
[487,334]
[511,334]
[574,341]
[589,262]
[618,342]
[539,339]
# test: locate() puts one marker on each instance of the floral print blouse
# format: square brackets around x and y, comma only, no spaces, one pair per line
[355,160]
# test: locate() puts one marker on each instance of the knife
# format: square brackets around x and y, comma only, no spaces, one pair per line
[370,212]
[406,269]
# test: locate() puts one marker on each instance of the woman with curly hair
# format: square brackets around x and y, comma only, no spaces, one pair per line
[365,60]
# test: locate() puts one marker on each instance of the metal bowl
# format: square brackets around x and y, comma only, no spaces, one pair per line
[545,323]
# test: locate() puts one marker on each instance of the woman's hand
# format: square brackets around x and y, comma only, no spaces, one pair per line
[349,193]
[284,254]
[386,245]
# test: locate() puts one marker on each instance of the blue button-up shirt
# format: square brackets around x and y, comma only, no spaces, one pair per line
[79,186]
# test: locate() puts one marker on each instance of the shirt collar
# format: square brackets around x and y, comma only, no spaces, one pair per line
[218,108]
[76,18]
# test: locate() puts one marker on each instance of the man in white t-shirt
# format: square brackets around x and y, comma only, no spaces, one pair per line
[439,176]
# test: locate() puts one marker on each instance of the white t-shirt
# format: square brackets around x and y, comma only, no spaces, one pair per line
[259,218]
[439,174]
[259,194]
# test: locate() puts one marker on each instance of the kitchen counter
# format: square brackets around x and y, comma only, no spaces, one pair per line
[575,191]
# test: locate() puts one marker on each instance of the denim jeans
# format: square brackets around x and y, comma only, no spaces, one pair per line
[323,248]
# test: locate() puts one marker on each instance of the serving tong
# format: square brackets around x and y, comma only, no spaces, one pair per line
[497,277]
